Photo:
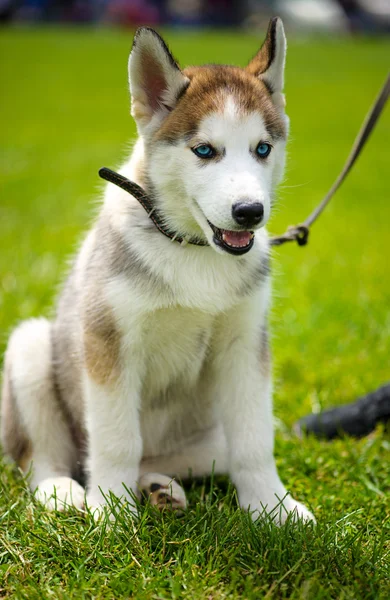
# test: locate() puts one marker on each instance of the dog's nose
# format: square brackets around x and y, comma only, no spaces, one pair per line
[248,214]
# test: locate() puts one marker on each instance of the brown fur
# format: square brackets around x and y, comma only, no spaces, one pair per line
[101,345]
[24,461]
[207,92]
[264,57]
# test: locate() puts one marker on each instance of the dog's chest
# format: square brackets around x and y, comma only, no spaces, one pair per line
[175,342]
[173,407]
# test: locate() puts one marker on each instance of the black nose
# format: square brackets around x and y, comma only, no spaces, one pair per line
[248,214]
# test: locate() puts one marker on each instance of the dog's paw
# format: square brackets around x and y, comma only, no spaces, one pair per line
[162,492]
[97,510]
[60,493]
[279,511]
[295,511]
[289,509]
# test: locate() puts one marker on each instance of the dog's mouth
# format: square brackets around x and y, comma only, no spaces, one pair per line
[234,242]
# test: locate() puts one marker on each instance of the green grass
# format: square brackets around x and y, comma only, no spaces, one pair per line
[64,113]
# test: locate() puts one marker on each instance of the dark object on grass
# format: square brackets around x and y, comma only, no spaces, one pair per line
[358,418]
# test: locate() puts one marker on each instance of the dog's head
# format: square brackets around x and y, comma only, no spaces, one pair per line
[214,138]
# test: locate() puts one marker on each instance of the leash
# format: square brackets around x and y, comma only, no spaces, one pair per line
[298,233]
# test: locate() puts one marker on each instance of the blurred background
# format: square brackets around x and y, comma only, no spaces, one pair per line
[331,15]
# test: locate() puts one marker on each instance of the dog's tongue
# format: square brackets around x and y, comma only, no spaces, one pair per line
[239,239]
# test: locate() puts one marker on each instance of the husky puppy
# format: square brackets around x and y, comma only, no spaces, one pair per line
[157,362]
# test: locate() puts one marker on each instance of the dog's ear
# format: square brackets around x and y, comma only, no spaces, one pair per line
[155,78]
[268,64]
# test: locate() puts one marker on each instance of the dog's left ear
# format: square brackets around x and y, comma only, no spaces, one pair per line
[268,64]
[155,78]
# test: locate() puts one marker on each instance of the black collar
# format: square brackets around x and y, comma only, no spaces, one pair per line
[139,194]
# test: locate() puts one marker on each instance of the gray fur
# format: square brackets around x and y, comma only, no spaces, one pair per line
[13,435]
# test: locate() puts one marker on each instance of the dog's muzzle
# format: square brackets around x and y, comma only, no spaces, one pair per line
[233,242]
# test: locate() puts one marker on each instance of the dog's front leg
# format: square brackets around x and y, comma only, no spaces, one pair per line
[244,389]
[114,439]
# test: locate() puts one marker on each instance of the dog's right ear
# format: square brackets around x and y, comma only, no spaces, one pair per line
[268,64]
[155,79]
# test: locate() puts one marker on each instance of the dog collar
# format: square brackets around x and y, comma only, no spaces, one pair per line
[139,194]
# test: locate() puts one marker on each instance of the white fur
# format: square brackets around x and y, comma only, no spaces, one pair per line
[111,461]
[213,188]
[58,493]
[29,352]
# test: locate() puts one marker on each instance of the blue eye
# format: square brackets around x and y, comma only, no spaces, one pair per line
[263,150]
[204,151]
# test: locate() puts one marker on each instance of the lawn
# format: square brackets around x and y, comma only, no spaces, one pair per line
[64,113]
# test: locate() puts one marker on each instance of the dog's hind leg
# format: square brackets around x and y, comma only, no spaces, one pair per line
[162,492]
[34,430]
